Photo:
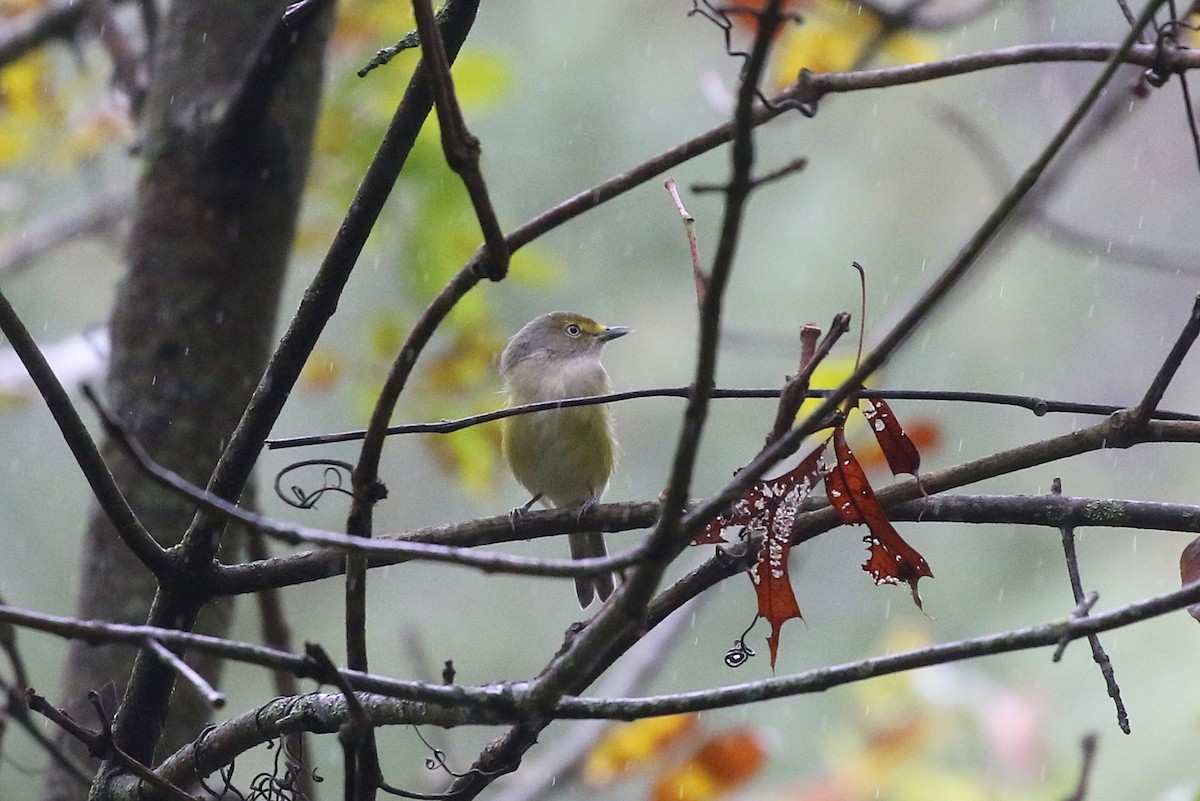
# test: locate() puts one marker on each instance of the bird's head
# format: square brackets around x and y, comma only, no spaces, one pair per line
[558,335]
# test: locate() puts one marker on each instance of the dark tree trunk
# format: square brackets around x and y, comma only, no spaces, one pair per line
[226,139]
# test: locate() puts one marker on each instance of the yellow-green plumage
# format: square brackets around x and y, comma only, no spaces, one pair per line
[565,456]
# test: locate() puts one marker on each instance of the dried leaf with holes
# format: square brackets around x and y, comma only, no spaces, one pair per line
[891,560]
[770,507]
[901,454]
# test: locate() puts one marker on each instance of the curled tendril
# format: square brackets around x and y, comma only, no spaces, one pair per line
[225,774]
[1166,36]
[437,757]
[719,16]
[280,783]
[333,477]
[437,761]
[740,653]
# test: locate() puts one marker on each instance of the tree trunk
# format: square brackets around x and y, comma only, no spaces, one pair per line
[226,139]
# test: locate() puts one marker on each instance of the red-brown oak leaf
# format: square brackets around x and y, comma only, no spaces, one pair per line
[891,559]
[770,507]
[901,454]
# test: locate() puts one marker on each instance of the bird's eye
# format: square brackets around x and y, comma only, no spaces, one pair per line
[573,330]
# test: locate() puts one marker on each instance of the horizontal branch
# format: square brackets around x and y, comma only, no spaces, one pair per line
[1039,406]
[821,679]
[1055,511]
[325,712]
[401,551]
[813,86]
[476,705]
[320,713]
[1034,510]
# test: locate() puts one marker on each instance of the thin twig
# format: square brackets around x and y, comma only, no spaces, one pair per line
[1044,635]
[1039,406]
[1187,337]
[459,145]
[83,447]
[689,227]
[296,535]
[101,745]
[796,389]
[212,696]
[1099,655]
[813,86]
[795,165]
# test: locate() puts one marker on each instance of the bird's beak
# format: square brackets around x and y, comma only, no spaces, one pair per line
[612,332]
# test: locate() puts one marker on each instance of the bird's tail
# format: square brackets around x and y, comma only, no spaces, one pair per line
[590,545]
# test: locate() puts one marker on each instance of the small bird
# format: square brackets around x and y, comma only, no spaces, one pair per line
[563,456]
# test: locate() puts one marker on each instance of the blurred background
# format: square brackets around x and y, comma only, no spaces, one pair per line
[1079,301]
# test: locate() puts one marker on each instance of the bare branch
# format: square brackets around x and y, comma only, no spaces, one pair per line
[102,745]
[83,448]
[796,389]
[214,698]
[1039,406]
[1187,337]
[958,267]
[689,227]
[459,145]
[1041,636]
[1099,655]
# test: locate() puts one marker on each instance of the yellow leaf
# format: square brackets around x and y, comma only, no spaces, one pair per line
[833,36]
[630,746]
[25,103]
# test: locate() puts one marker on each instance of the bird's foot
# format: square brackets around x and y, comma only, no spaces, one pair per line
[585,509]
[516,512]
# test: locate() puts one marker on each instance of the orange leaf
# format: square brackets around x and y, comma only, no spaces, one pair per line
[752,509]
[628,746]
[891,560]
[724,762]
[770,506]
[744,13]
[772,584]
[901,454]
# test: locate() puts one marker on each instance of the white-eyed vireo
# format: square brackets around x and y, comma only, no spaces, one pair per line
[563,456]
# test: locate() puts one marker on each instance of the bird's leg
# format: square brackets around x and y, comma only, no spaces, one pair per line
[513,514]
